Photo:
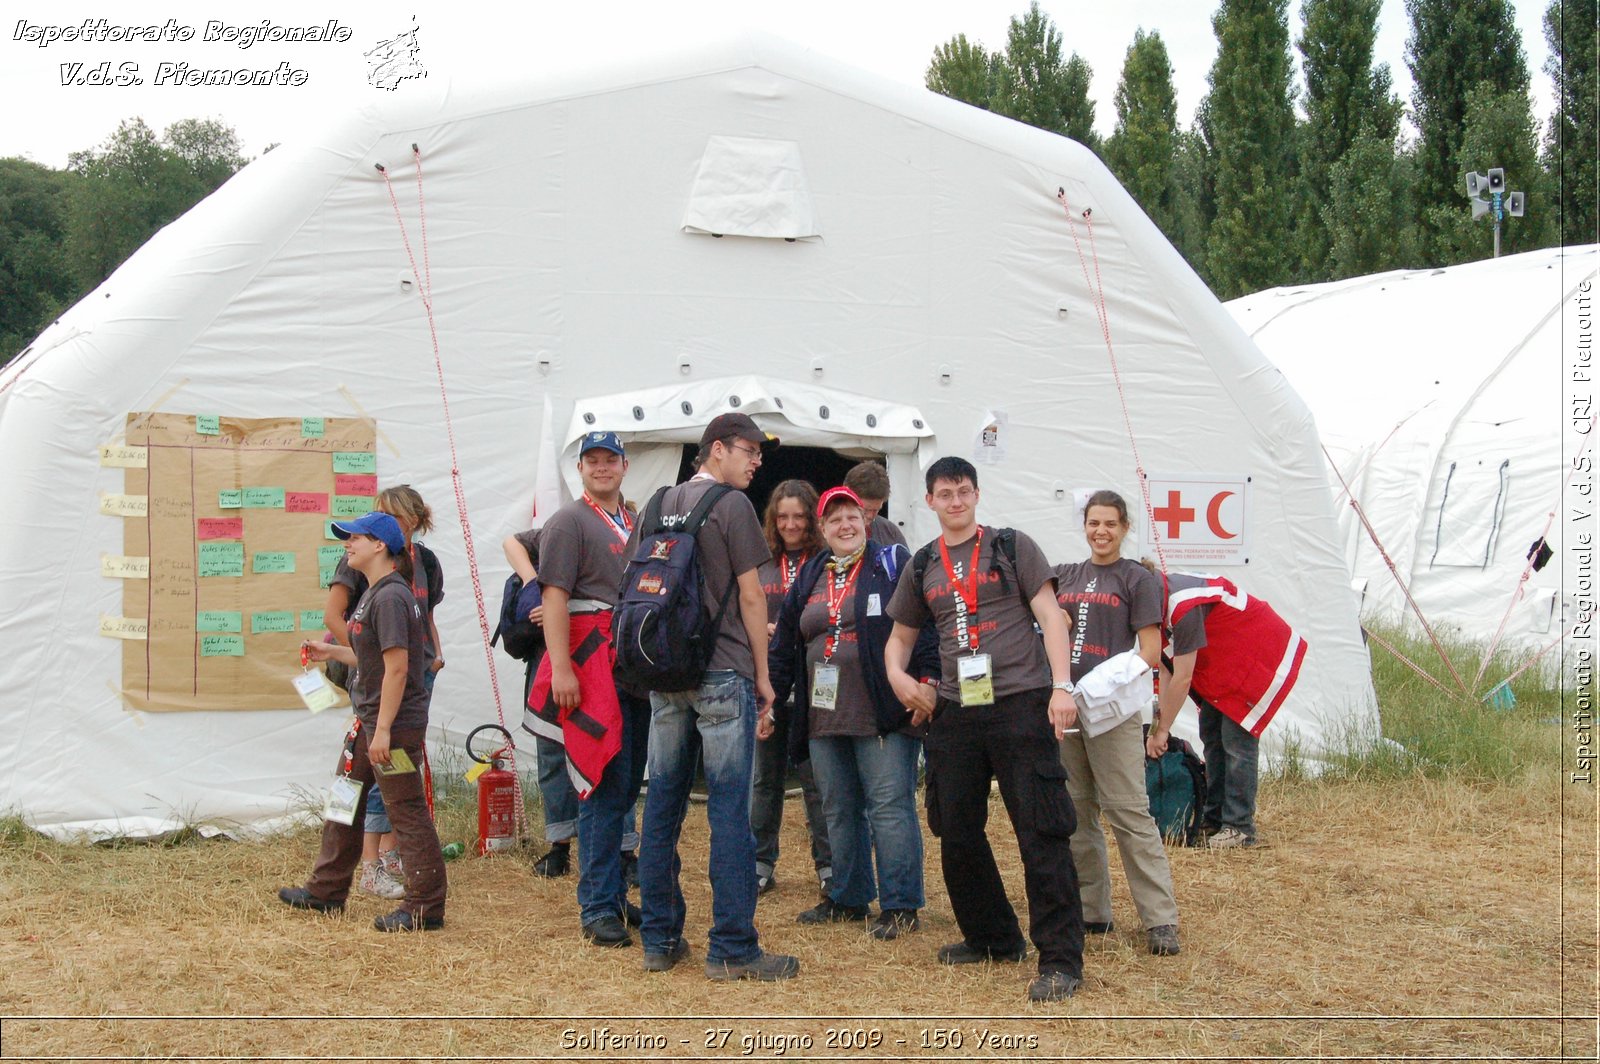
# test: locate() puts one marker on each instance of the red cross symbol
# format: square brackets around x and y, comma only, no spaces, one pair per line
[1175,514]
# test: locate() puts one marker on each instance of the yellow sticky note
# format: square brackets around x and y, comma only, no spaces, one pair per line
[123,628]
[478,768]
[121,456]
[124,567]
[124,505]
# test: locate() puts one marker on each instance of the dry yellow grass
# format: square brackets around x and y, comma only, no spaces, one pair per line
[1412,919]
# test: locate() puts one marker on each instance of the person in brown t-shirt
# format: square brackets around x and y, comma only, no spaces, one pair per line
[717,720]
[388,654]
[870,481]
[1004,702]
[792,534]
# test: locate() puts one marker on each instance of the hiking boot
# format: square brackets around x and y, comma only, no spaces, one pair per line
[1053,986]
[608,931]
[632,915]
[892,923]
[664,962]
[556,863]
[962,953]
[825,884]
[766,967]
[829,911]
[301,898]
[1095,927]
[766,884]
[406,920]
[376,880]
[1163,940]
[1231,838]
[630,870]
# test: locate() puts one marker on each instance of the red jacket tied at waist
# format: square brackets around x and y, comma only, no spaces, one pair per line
[591,731]
[1251,659]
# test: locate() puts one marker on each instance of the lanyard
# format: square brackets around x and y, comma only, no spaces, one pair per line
[837,590]
[966,596]
[789,568]
[620,526]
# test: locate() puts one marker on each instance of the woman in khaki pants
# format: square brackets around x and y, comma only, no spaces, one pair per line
[1113,605]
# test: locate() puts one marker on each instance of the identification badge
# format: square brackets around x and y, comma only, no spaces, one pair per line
[825,687]
[344,794]
[976,680]
[874,605]
[315,691]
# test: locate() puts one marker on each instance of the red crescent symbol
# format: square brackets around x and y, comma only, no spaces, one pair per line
[1214,515]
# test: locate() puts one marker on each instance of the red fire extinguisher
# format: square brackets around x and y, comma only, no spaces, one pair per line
[497,795]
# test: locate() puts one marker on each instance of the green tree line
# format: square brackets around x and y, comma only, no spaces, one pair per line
[1275,184]
[62,232]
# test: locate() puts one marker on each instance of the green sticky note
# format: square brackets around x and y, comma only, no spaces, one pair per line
[208,424]
[328,557]
[351,505]
[325,576]
[312,428]
[222,646]
[263,498]
[272,561]
[218,621]
[272,621]
[311,620]
[230,500]
[355,462]
[221,558]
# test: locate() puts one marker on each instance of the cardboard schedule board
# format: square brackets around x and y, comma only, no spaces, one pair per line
[240,553]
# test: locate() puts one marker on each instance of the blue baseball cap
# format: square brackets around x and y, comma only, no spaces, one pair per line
[380,526]
[602,441]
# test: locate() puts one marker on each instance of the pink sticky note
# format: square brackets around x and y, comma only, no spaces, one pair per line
[355,484]
[305,502]
[219,528]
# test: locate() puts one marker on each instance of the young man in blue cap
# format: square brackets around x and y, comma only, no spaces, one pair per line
[575,699]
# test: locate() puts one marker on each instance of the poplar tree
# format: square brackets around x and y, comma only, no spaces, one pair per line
[1499,131]
[1248,123]
[1142,151]
[1034,84]
[1570,28]
[1455,46]
[1345,96]
[963,70]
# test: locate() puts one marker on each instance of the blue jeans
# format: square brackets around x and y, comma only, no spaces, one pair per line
[1232,759]
[871,782]
[601,817]
[377,814]
[717,721]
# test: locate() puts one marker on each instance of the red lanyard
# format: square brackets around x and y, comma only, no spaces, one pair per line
[620,528]
[837,592]
[789,569]
[966,597]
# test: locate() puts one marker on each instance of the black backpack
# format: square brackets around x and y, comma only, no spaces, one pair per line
[519,637]
[663,627]
[1176,782]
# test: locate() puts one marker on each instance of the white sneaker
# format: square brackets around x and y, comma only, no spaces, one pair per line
[375,880]
[1231,839]
[390,859]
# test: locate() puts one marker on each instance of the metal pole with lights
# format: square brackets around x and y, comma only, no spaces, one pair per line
[1499,201]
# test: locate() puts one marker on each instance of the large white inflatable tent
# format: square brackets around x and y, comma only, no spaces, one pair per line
[1439,397]
[866,268]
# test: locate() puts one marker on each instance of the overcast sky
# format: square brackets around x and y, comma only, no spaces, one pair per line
[894,38]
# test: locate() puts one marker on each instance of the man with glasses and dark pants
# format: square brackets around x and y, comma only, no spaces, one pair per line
[717,720]
[1004,701]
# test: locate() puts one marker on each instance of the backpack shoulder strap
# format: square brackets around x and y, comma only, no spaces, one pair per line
[702,509]
[919,564]
[1005,543]
[650,522]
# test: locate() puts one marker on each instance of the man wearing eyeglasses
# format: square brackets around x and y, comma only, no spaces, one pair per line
[1003,702]
[718,719]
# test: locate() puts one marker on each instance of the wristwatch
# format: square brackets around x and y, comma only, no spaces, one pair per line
[1063,685]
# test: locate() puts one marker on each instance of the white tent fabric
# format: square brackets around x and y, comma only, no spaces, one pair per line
[1438,395]
[943,286]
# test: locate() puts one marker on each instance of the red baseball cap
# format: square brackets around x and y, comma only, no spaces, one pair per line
[833,495]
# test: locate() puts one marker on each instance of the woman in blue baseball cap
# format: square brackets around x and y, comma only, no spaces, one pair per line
[388,651]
